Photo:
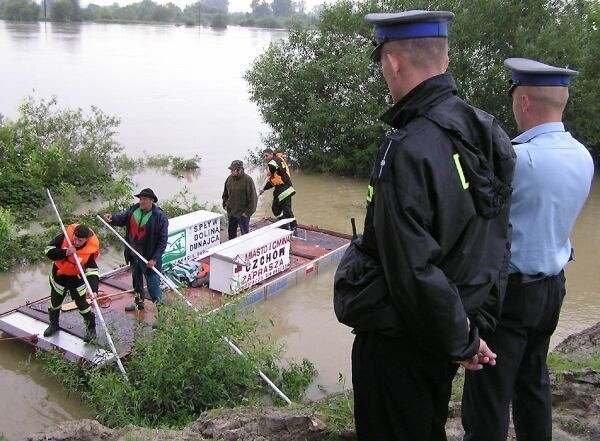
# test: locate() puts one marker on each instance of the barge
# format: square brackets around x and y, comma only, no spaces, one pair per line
[243,271]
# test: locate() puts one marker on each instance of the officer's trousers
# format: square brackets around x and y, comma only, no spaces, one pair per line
[529,317]
[400,391]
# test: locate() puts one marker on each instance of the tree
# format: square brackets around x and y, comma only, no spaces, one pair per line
[282,8]
[219,5]
[21,10]
[47,147]
[321,96]
[260,8]
[219,21]
[65,10]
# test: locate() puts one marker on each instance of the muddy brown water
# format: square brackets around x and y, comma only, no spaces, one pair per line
[302,315]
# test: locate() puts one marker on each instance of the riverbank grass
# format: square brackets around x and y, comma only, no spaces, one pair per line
[184,367]
[560,363]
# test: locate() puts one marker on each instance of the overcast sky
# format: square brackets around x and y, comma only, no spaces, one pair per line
[234,5]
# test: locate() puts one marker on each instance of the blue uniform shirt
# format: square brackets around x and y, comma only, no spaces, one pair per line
[551,183]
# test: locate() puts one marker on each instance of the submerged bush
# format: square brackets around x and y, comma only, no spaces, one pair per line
[176,164]
[184,202]
[183,368]
[47,147]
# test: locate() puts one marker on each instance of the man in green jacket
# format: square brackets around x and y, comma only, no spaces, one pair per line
[239,199]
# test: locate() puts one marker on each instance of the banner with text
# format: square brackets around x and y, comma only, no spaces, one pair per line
[189,243]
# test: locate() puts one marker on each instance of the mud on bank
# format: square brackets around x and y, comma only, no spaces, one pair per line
[575,399]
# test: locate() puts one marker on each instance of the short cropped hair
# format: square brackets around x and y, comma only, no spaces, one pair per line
[551,97]
[423,53]
[82,231]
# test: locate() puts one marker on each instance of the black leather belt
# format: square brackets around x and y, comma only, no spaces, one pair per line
[525,278]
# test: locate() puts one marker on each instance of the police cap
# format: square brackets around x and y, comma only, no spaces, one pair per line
[527,72]
[407,25]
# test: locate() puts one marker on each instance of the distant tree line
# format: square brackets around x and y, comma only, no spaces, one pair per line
[278,14]
[20,10]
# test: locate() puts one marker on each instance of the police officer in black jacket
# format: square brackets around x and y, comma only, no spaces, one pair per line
[437,223]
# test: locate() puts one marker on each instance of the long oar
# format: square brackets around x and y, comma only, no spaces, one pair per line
[174,288]
[89,288]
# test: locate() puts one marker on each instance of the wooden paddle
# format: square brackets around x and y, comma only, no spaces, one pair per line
[71,305]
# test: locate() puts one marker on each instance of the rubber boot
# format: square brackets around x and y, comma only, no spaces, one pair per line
[90,324]
[137,305]
[53,315]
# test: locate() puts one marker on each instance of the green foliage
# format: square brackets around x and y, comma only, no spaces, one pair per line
[337,409]
[182,203]
[219,21]
[7,230]
[457,386]
[118,195]
[47,147]
[297,377]
[181,369]
[281,14]
[179,164]
[575,426]
[321,96]
[65,10]
[176,163]
[21,10]
[159,160]
[558,363]
[17,248]
[555,32]
[73,376]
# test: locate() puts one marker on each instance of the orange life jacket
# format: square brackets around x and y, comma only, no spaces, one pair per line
[286,167]
[204,271]
[275,178]
[68,266]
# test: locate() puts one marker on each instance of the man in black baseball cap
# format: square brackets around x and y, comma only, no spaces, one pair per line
[437,227]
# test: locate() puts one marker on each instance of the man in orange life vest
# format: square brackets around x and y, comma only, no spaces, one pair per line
[147,231]
[279,179]
[65,275]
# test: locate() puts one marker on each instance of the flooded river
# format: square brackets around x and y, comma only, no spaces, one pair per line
[173,97]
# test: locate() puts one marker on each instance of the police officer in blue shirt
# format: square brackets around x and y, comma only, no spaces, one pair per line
[436,232]
[552,181]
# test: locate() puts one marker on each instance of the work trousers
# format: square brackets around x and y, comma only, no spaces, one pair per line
[139,270]
[75,286]
[400,391]
[234,221]
[529,317]
[283,210]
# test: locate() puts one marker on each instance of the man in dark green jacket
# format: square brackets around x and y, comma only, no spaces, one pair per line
[239,199]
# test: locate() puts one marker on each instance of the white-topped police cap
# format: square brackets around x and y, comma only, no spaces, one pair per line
[407,25]
[526,72]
